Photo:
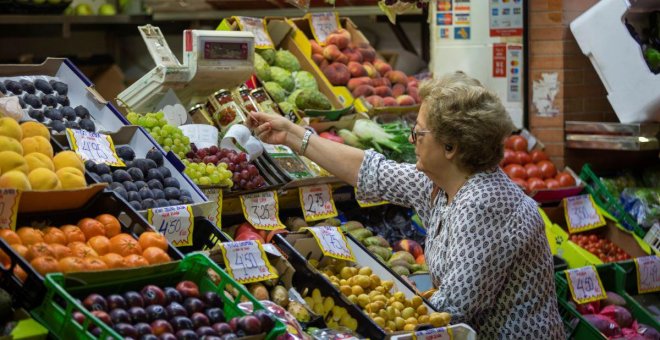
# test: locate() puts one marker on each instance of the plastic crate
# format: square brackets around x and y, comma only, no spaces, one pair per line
[604,199]
[206,236]
[30,292]
[60,302]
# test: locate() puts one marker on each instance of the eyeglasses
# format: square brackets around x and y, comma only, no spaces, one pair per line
[414,133]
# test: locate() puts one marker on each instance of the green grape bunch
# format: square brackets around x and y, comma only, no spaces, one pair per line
[208,174]
[168,136]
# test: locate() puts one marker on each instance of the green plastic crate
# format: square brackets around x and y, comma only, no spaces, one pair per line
[60,302]
[604,199]
[627,281]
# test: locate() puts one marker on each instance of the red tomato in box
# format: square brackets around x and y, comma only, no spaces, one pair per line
[515,171]
[552,183]
[521,183]
[532,170]
[538,155]
[547,169]
[565,179]
[536,183]
[523,157]
[509,157]
[518,143]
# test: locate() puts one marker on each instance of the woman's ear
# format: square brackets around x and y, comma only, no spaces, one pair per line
[450,151]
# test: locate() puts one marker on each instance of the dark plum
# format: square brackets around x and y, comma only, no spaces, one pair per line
[146,193]
[162,203]
[133,299]
[33,101]
[136,174]
[172,193]
[49,100]
[165,172]
[174,202]
[212,299]
[37,115]
[142,328]
[96,331]
[63,100]
[78,316]
[127,330]
[153,295]
[149,337]
[95,302]
[140,184]
[102,168]
[43,86]
[81,111]
[215,315]
[71,124]
[186,200]
[125,152]
[149,203]
[167,336]
[27,86]
[53,114]
[222,328]
[155,156]
[155,312]
[199,319]
[115,185]
[155,184]
[158,193]
[121,192]
[68,112]
[138,314]
[106,178]
[133,196]
[229,336]
[181,322]
[87,124]
[121,175]
[171,182]
[205,331]
[120,315]
[103,316]
[176,309]
[154,174]
[115,301]
[136,205]
[266,318]
[186,334]
[250,324]
[160,327]
[193,305]
[130,186]
[173,295]
[14,87]
[60,87]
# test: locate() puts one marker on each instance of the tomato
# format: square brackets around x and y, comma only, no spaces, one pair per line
[509,157]
[532,170]
[535,183]
[547,169]
[593,238]
[515,171]
[552,183]
[538,155]
[565,179]
[508,143]
[518,143]
[523,157]
[519,181]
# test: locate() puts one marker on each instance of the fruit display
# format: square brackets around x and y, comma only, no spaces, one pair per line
[145,182]
[222,167]
[168,136]
[245,231]
[334,316]
[27,160]
[603,248]
[45,100]
[532,171]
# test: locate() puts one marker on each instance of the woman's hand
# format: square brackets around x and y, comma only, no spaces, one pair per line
[269,128]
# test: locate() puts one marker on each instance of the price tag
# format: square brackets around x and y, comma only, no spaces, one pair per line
[585,284]
[260,209]
[365,204]
[94,146]
[214,195]
[648,274]
[322,24]
[175,222]
[271,249]
[581,214]
[246,261]
[332,242]
[256,26]
[317,203]
[441,333]
[9,199]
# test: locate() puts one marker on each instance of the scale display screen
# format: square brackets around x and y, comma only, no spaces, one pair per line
[216,50]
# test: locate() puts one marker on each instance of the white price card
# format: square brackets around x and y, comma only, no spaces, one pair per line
[9,199]
[581,213]
[317,203]
[257,27]
[94,146]
[272,249]
[442,333]
[585,284]
[648,274]
[247,262]
[261,210]
[364,204]
[332,242]
[215,195]
[322,25]
[175,222]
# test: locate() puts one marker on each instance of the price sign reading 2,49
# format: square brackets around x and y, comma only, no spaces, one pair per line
[93,146]
[332,242]
[317,203]
[246,261]
[260,209]
[585,284]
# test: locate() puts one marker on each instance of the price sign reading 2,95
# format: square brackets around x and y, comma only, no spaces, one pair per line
[175,222]
[93,146]
[246,261]
[332,242]
[260,209]
[585,284]
[317,203]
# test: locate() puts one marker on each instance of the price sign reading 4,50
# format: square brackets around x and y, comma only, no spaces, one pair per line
[246,261]
[260,209]
[332,242]
[93,146]
[175,222]
[648,274]
[317,203]
[585,284]
[581,214]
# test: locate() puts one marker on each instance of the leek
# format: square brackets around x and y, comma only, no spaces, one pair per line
[368,130]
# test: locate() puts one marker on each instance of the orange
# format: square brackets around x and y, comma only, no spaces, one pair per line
[155,255]
[38,250]
[93,263]
[5,261]
[111,224]
[20,273]
[73,233]
[100,244]
[60,251]
[20,249]
[135,261]
[91,227]
[71,264]
[54,235]
[30,235]
[153,239]
[82,250]
[45,264]
[10,236]
[113,260]
[124,245]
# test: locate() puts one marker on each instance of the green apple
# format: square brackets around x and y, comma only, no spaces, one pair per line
[84,9]
[107,9]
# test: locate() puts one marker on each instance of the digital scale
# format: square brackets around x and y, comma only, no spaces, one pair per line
[211,60]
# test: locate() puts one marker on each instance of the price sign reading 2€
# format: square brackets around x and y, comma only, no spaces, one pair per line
[175,222]
[332,242]
[246,261]
[581,214]
[585,284]
[648,274]
[9,199]
[94,146]
[260,209]
[317,203]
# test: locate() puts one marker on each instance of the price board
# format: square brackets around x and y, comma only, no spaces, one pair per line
[175,222]
[365,204]
[255,26]
[246,261]
[648,274]
[581,214]
[332,242]
[93,146]
[442,333]
[261,210]
[215,214]
[317,203]
[9,199]
[322,25]
[585,284]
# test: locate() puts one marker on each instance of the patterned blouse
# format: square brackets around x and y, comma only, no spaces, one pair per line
[487,251]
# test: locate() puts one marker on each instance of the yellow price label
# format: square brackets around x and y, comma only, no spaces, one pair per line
[332,242]
[585,284]
[9,199]
[261,210]
[215,215]
[322,25]
[317,203]
[93,146]
[247,262]
[581,214]
[175,222]
[257,27]
[648,274]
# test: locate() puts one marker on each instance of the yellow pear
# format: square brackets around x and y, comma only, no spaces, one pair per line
[37,144]
[15,179]
[68,159]
[10,144]
[31,129]
[37,160]
[9,127]
[10,160]
[44,179]
[71,178]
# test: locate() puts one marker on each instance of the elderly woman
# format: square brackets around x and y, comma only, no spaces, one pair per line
[486,247]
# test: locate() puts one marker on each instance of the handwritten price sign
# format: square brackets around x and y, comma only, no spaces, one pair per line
[246,261]
[364,204]
[648,274]
[260,209]
[93,146]
[581,214]
[441,333]
[9,199]
[256,26]
[332,242]
[317,203]
[585,284]
[322,25]
[175,222]
[214,195]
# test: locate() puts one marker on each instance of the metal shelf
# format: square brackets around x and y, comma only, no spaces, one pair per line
[10,19]
[612,136]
